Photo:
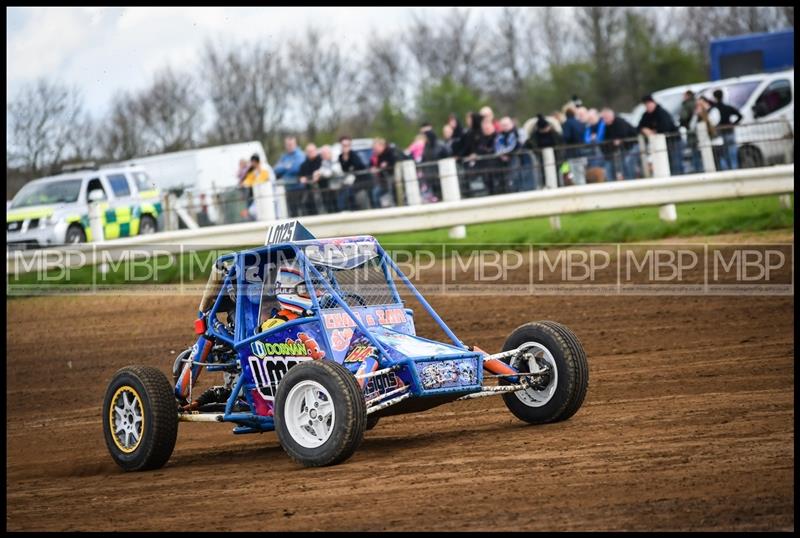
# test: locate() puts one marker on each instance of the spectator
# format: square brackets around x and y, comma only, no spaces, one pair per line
[287,169]
[452,121]
[449,140]
[470,140]
[593,136]
[382,165]
[486,112]
[244,167]
[573,133]
[487,166]
[621,145]
[656,120]
[416,148]
[543,134]
[727,113]
[506,143]
[573,130]
[255,174]
[581,113]
[685,119]
[311,199]
[433,151]
[329,171]
[707,112]
[355,187]
[433,148]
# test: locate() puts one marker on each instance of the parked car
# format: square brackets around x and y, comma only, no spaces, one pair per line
[766,101]
[55,210]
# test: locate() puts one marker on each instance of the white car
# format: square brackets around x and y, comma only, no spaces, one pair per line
[766,101]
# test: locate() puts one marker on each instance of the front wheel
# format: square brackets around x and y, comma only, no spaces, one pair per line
[557,358]
[320,413]
[140,418]
[75,235]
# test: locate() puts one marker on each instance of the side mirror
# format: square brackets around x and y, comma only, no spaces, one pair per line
[96,195]
[759,110]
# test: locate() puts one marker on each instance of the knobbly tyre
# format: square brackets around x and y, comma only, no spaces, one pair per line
[313,340]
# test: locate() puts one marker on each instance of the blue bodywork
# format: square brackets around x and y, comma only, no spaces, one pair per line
[764,52]
[364,338]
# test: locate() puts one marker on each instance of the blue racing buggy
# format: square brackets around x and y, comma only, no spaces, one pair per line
[314,340]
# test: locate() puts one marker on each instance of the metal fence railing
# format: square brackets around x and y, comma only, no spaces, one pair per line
[410,183]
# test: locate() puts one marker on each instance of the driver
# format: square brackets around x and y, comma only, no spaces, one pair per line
[292,294]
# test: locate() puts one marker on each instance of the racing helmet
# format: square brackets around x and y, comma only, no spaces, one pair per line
[291,290]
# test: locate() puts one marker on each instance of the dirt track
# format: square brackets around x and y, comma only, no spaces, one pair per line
[688,424]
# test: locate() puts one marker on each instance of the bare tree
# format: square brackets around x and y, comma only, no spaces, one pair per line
[702,24]
[248,88]
[171,111]
[449,48]
[40,119]
[384,76]
[324,81]
[601,37]
[555,33]
[121,135]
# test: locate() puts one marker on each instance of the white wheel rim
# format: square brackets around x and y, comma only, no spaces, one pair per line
[309,414]
[537,357]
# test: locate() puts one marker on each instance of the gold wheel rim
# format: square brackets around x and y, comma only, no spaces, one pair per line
[126,419]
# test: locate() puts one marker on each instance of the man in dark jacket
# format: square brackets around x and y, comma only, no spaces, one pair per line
[433,151]
[309,177]
[729,116]
[573,132]
[469,142]
[620,144]
[656,120]
[356,179]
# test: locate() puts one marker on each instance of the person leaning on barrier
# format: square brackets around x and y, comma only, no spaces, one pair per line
[354,192]
[505,144]
[255,175]
[382,166]
[684,121]
[729,117]
[620,145]
[328,172]
[311,200]
[287,169]
[656,120]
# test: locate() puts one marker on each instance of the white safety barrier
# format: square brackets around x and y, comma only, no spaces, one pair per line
[542,203]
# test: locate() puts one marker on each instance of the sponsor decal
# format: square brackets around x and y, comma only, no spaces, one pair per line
[378,316]
[381,384]
[273,360]
[360,352]
[303,346]
[447,373]
[340,339]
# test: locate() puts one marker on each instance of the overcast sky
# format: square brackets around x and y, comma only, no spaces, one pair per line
[102,50]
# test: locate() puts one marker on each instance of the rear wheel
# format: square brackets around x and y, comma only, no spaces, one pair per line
[557,356]
[320,413]
[147,225]
[750,157]
[140,418]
